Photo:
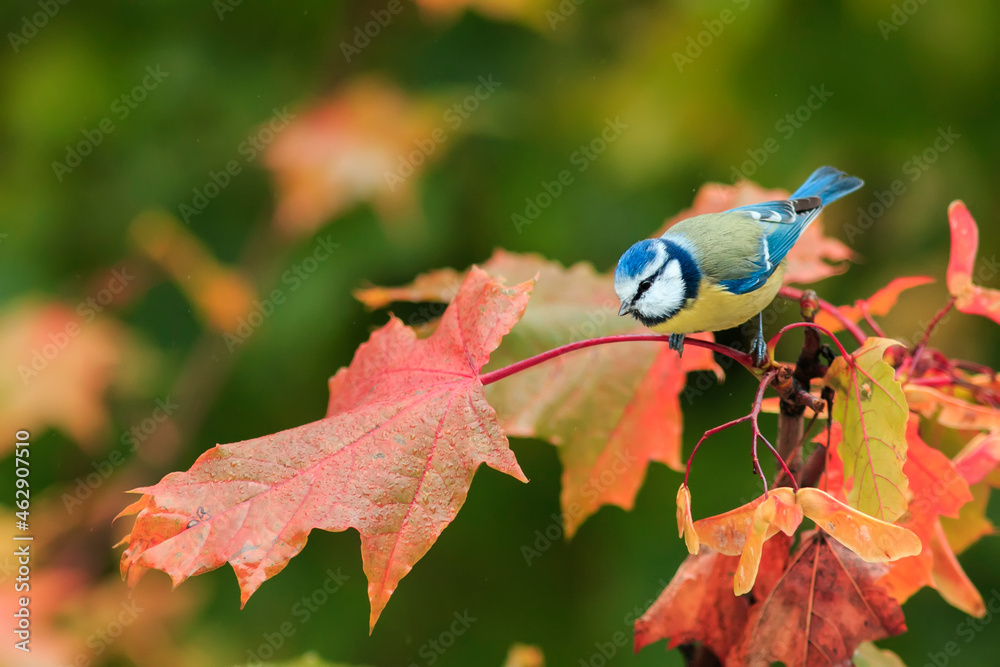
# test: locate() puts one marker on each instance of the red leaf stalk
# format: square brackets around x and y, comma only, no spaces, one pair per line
[919,349]
[752,418]
[799,325]
[851,327]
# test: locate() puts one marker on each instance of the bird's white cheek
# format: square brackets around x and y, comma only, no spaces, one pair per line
[663,297]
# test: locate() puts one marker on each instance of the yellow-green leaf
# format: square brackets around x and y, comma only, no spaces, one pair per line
[871,408]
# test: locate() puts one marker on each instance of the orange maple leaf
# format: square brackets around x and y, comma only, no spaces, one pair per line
[951,411]
[938,490]
[361,144]
[972,523]
[60,364]
[743,531]
[879,303]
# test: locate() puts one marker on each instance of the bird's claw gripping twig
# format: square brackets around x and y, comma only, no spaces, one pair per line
[677,343]
[758,350]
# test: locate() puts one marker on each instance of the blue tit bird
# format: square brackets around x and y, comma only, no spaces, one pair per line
[716,271]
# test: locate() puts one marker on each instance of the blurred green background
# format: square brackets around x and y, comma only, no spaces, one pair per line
[706,91]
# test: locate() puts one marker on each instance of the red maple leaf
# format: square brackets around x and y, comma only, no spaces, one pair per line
[609,409]
[827,602]
[407,428]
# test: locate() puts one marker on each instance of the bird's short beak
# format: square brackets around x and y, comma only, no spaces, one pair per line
[625,309]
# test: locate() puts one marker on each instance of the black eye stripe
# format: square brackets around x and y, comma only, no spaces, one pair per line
[643,286]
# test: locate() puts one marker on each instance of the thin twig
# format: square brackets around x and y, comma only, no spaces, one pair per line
[794,391]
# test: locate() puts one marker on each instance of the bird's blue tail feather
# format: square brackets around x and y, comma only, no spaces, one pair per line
[828,184]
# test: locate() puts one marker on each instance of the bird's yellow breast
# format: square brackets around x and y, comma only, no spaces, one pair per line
[716,309]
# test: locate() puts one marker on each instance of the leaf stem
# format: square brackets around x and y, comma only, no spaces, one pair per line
[500,373]
[832,310]
[798,325]
[755,427]
[758,402]
[871,321]
[919,349]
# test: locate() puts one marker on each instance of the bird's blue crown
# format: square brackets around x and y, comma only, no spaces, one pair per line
[636,259]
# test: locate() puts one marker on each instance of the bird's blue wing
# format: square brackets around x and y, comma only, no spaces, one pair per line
[769,211]
[781,225]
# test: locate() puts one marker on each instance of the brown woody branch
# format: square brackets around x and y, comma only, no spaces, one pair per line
[792,384]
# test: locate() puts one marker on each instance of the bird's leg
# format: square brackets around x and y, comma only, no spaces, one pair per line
[677,343]
[758,347]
